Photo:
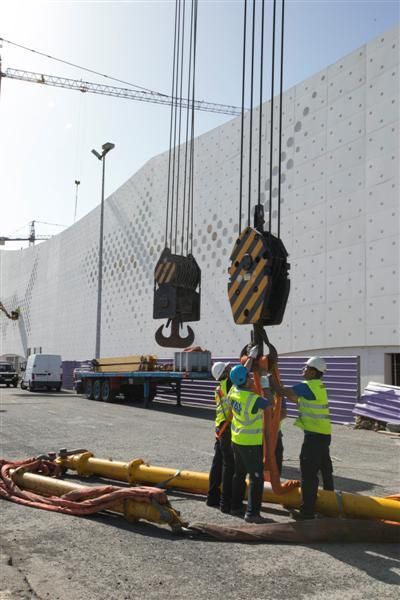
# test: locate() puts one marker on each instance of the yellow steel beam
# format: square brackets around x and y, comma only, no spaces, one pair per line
[135,471]
[130,509]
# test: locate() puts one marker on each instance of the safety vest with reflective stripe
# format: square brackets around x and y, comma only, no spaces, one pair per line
[222,410]
[314,414]
[246,428]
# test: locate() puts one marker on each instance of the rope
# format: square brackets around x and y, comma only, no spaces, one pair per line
[272,115]
[242,118]
[251,111]
[170,128]
[187,133]
[280,121]
[261,99]
[181,194]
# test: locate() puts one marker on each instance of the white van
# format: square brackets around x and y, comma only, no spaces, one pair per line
[43,371]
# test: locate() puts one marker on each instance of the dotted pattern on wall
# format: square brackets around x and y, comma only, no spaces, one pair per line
[339,222]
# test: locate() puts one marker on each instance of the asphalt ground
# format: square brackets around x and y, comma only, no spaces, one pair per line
[51,556]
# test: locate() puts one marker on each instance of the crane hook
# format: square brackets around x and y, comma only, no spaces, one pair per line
[174,340]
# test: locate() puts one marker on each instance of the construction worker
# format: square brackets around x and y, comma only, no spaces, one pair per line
[312,400]
[222,466]
[247,441]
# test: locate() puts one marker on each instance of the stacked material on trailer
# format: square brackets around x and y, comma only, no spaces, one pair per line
[120,364]
[380,402]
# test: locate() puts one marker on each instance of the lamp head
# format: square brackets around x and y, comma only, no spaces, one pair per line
[97,154]
[107,147]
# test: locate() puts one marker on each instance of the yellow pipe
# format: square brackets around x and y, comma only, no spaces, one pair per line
[330,503]
[130,509]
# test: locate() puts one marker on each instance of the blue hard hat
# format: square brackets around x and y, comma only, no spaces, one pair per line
[238,375]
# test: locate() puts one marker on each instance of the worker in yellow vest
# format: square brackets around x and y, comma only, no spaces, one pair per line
[222,467]
[247,442]
[312,400]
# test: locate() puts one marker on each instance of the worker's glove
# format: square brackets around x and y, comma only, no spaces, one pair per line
[264,380]
[253,352]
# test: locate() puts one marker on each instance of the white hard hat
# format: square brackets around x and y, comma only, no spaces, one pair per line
[218,368]
[316,362]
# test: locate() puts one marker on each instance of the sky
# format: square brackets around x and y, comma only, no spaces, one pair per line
[46,133]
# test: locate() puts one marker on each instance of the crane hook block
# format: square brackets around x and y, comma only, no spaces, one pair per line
[259,285]
[177,281]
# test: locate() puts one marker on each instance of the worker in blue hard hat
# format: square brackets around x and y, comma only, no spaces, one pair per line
[311,397]
[220,478]
[247,440]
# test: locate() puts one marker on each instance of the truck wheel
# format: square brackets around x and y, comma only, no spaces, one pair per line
[97,389]
[89,389]
[15,384]
[107,394]
[22,385]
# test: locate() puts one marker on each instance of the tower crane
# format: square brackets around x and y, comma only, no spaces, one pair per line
[117,92]
[31,239]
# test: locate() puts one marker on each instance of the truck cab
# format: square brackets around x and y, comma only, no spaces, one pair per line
[8,375]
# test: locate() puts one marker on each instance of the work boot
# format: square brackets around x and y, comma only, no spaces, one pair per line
[300,515]
[238,512]
[212,502]
[258,519]
[225,508]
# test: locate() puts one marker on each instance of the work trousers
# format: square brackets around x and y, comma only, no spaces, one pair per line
[248,460]
[314,458]
[221,472]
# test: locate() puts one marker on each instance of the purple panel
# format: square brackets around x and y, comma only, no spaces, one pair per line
[380,402]
[342,382]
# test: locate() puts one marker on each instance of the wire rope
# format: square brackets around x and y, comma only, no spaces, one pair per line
[175,121]
[170,129]
[178,170]
[242,117]
[261,101]
[251,112]
[272,115]
[192,136]
[280,120]
[184,208]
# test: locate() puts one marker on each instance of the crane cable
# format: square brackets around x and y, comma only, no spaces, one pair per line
[181,192]
[251,111]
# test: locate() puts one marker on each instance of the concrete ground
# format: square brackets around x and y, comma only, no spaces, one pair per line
[50,556]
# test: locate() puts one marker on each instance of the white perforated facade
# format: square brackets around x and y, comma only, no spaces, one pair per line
[340,225]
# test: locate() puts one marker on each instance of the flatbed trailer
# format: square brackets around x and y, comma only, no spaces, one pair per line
[134,385]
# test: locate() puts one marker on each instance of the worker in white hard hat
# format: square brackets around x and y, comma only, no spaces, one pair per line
[311,397]
[222,467]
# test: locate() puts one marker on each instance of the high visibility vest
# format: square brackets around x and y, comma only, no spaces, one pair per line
[246,428]
[222,410]
[314,414]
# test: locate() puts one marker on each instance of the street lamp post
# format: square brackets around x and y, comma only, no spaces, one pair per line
[106,148]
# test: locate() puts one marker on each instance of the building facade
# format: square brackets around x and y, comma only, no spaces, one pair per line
[339,223]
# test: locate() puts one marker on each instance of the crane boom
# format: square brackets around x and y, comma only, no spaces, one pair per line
[117,92]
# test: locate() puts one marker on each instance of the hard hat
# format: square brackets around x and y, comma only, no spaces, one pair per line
[316,362]
[238,375]
[218,368]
